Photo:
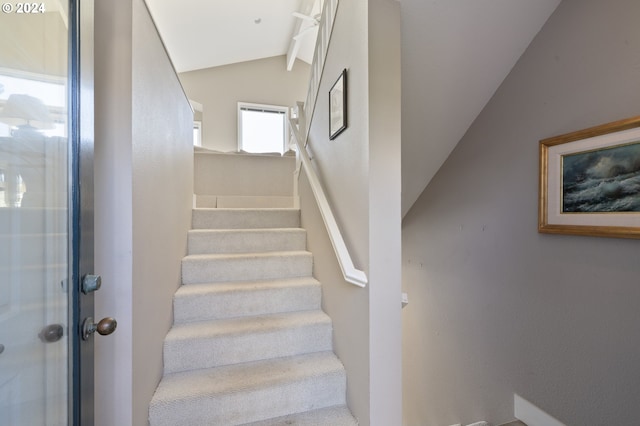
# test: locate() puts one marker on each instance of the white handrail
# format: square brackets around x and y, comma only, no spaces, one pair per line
[350,273]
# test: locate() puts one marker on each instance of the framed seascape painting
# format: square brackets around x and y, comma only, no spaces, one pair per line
[338,106]
[590,181]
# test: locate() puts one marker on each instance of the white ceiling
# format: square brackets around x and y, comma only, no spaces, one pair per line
[209,33]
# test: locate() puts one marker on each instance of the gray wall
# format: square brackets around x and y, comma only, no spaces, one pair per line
[496,308]
[143,197]
[219,89]
[342,165]
[455,55]
[360,171]
[385,219]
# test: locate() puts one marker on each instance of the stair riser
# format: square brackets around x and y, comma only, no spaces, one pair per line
[334,416]
[192,354]
[245,218]
[255,405]
[254,202]
[245,303]
[240,241]
[204,270]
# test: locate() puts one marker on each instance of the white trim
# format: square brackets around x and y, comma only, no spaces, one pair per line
[196,106]
[531,415]
[306,8]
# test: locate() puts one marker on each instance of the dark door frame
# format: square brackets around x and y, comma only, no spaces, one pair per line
[81,119]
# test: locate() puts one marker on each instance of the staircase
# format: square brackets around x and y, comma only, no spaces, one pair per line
[250,344]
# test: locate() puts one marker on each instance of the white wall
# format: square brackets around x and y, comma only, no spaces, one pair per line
[360,171]
[346,304]
[113,221]
[243,174]
[219,89]
[342,166]
[143,194]
[497,308]
[385,247]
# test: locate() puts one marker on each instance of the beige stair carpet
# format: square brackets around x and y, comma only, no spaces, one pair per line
[250,344]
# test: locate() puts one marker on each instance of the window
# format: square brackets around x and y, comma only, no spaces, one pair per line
[262,128]
[197,133]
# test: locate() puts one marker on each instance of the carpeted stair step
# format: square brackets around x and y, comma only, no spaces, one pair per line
[245,218]
[250,392]
[201,302]
[203,241]
[226,201]
[209,344]
[244,201]
[332,416]
[205,268]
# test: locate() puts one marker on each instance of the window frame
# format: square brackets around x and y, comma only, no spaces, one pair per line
[264,108]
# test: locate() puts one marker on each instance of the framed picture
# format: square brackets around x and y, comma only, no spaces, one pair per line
[590,181]
[338,106]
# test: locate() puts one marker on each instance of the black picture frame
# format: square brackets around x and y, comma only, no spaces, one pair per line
[338,106]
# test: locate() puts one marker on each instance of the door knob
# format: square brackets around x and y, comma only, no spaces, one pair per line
[51,333]
[91,283]
[104,327]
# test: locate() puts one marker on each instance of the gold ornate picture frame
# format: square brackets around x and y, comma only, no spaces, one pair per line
[590,181]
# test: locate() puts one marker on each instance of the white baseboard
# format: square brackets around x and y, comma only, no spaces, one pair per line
[531,415]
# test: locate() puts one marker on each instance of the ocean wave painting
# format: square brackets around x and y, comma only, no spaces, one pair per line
[602,181]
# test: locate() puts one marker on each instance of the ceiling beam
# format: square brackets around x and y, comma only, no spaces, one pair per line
[306,8]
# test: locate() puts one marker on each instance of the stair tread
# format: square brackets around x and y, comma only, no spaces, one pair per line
[244,230]
[254,255]
[202,241]
[246,325]
[201,289]
[250,344]
[204,268]
[217,300]
[252,209]
[250,376]
[335,416]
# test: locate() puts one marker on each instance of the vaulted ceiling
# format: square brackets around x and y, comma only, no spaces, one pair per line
[455,55]
[209,33]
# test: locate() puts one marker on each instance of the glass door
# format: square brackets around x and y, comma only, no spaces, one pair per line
[39,307]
